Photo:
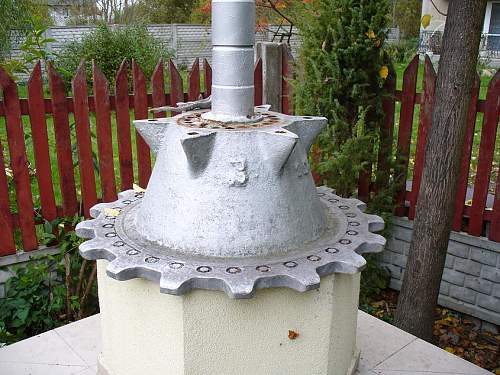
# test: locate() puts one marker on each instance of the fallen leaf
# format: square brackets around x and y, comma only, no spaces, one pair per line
[426,20]
[292,335]
[111,212]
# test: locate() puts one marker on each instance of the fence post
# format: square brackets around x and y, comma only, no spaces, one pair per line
[271,56]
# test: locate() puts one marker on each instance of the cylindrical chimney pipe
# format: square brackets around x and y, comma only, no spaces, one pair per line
[233,36]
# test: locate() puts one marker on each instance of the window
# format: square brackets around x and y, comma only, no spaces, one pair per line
[492,26]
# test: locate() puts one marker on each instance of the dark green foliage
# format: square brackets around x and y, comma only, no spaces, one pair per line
[109,47]
[51,291]
[344,67]
[374,280]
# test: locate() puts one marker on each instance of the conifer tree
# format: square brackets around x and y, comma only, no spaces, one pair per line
[343,68]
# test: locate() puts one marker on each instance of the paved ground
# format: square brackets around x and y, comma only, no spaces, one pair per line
[385,350]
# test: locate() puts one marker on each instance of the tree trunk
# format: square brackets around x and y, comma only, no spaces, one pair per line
[434,213]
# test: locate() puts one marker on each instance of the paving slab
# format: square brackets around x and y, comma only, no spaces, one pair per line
[385,350]
[84,337]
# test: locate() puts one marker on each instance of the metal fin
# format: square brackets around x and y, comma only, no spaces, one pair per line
[198,149]
[276,147]
[308,128]
[152,131]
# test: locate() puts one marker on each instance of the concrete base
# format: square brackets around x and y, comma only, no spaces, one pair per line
[206,333]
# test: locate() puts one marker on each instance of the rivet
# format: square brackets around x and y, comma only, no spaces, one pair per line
[290,264]
[233,270]
[344,207]
[133,252]
[313,258]
[333,200]
[350,214]
[352,232]
[127,201]
[176,265]
[119,244]
[354,223]
[204,269]
[345,241]
[331,250]
[110,234]
[152,260]
[108,226]
[263,268]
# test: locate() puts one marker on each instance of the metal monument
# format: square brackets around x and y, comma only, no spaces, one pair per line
[231,204]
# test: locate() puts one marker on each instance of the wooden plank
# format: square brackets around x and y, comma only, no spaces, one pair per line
[123,128]
[19,161]
[41,144]
[7,243]
[140,113]
[494,232]
[194,82]
[386,132]
[485,160]
[463,179]
[258,82]
[287,75]
[63,143]
[405,129]
[176,90]
[207,72]
[84,140]
[104,135]
[158,89]
[425,124]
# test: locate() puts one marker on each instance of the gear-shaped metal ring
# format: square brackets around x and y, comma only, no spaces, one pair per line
[113,237]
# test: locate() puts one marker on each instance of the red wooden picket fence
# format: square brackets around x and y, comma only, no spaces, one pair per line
[77,198]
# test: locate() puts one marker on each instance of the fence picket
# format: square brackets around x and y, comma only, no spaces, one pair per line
[494,233]
[408,97]
[257,82]
[158,89]
[425,123]
[486,151]
[19,161]
[386,131]
[39,135]
[140,113]
[104,135]
[63,143]
[207,72]
[194,81]
[176,91]
[123,127]
[7,243]
[83,140]
[463,179]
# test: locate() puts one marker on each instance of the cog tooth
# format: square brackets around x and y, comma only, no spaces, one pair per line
[276,147]
[346,262]
[121,271]
[374,243]
[99,208]
[94,249]
[360,205]
[86,229]
[241,289]
[308,128]
[153,132]
[198,149]
[375,223]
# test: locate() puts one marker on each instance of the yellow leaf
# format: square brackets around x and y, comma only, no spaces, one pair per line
[384,72]
[112,212]
[138,189]
[370,34]
[426,20]
[450,350]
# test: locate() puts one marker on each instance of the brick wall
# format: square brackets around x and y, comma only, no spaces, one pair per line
[471,279]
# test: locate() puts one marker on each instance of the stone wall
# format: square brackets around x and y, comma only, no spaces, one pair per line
[471,279]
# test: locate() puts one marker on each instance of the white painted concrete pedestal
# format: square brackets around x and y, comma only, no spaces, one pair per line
[206,333]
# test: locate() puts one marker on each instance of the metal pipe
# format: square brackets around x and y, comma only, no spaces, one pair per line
[233,37]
